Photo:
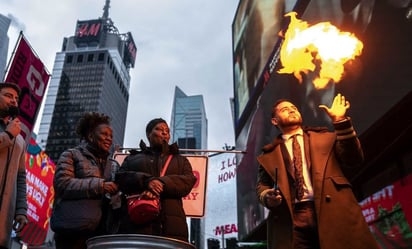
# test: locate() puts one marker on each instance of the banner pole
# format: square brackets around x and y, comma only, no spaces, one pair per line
[12,55]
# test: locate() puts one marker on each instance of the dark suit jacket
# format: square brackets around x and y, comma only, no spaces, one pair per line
[341,224]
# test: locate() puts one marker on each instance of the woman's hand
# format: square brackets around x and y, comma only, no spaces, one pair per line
[147,194]
[110,187]
[156,186]
[19,222]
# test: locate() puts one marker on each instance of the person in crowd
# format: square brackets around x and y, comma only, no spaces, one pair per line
[81,182]
[13,203]
[301,181]
[140,174]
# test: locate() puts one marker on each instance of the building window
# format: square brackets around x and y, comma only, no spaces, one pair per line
[80,58]
[101,57]
[69,59]
[90,57]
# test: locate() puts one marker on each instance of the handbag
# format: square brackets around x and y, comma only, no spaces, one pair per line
[143,210]
[76,216]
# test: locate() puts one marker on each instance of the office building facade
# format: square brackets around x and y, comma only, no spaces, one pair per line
[4,44]
[188,124]
[91,73]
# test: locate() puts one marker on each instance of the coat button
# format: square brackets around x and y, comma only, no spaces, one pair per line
[328,198]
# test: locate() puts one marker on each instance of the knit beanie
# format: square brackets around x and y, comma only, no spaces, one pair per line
[153,123]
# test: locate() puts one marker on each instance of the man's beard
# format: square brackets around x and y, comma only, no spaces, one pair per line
[12,111]
[290,122]
[4,113]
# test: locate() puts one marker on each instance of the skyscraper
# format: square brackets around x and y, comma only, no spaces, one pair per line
[189,129]
[91,73]
[4,43]
[188,123]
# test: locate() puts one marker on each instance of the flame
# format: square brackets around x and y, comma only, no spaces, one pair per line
[322,48]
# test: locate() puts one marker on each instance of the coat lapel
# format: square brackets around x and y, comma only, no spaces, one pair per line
[272,161]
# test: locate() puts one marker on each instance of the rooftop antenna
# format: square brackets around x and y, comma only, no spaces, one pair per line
[108,23]
[106,10]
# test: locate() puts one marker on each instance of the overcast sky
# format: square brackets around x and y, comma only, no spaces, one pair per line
[184,43]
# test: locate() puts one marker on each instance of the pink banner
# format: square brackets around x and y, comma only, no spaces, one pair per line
[27,71]
[40,194]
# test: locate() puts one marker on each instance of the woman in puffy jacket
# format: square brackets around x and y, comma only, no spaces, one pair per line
[81,181]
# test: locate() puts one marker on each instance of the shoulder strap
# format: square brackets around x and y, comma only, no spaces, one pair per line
[166,165]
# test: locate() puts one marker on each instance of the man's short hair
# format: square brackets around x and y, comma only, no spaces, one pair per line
[275,105]
[10,85]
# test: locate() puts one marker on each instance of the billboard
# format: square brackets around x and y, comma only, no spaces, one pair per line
[130,50]
[389,214]
[373,83]
[88,31]
[254,34]
[220,221]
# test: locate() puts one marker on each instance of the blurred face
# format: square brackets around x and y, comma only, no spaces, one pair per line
[159,135]
[287,116]
[102,137]
[8,97]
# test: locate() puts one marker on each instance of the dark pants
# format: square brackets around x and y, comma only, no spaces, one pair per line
[305,233]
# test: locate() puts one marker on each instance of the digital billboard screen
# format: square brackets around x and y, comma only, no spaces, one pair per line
[254,32]
[88,31]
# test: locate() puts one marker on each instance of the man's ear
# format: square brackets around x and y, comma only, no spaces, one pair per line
[275,121]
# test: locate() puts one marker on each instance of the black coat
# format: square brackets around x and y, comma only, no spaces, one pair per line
[135,173]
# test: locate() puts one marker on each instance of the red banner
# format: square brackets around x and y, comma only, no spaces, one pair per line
[389,214]
[27,71]
[40,194]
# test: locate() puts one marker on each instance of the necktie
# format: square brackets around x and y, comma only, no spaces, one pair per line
[297,162]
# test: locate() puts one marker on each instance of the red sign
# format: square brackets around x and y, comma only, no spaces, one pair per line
[389,214]
[29,73]
[40,194]
[88,31]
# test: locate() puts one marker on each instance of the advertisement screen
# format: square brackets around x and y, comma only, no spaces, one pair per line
[221,207]
[389,214]
[88,31]
[130,50]
[255,31]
